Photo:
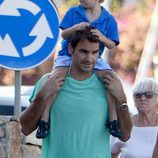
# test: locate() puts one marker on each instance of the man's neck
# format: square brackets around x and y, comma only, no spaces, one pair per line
[78,75]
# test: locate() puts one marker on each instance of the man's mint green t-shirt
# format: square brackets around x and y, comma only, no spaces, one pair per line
[78,118]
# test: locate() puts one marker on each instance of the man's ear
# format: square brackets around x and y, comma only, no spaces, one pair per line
[70,49]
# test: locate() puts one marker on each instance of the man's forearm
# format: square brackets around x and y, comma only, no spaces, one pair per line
[124,120]
[31,115]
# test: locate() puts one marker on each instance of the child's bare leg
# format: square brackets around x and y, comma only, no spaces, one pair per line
[43,128]
[64,71]
[110,98]
[45,115]
[112,106]
[113,120]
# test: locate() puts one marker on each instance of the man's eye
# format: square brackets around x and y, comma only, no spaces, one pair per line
[83,51]
[96,52]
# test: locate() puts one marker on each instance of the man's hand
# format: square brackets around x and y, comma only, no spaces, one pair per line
[52,84]
[113,84]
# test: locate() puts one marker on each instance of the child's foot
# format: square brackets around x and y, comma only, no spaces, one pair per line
[42,130]
[114,128]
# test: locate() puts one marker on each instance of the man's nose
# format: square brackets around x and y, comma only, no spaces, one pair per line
[89,56]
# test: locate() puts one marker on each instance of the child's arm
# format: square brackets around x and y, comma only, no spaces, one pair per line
[107,42]
[66,33]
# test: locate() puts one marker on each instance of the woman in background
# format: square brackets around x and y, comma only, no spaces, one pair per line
[145,123]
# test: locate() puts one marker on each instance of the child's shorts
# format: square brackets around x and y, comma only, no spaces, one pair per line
[65,61]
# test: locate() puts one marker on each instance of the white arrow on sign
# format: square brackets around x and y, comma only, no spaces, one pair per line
[10,7]
[42,31]
[7,47]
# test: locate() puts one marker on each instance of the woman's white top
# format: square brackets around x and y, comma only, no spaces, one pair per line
[140,145]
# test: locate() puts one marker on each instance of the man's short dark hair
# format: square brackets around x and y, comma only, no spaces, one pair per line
[82,35]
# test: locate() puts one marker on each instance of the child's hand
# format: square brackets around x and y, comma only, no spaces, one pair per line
[81,26]
[99,34]
[107,42]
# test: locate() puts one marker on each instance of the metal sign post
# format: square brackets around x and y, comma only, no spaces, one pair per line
[17,107]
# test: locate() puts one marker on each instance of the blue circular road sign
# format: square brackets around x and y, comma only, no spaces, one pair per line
[29,31]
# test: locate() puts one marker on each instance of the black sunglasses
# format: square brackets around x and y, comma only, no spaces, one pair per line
[146,94]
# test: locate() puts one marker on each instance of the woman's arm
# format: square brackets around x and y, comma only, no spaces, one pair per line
[155,151]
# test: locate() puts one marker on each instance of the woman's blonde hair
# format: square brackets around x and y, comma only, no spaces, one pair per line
[146,84]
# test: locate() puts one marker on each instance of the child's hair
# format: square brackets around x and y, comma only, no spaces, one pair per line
[101,1]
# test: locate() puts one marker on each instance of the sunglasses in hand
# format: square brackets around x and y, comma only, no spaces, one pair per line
[147,94]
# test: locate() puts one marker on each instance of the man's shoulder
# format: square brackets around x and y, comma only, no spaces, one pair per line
[38,85]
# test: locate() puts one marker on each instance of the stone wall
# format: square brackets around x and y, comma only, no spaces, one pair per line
[13,144]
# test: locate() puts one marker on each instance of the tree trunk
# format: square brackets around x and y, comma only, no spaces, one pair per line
[150,46]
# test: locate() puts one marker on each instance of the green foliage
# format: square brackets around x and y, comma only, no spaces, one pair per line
[70,3]
[133,22]
[116,5]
